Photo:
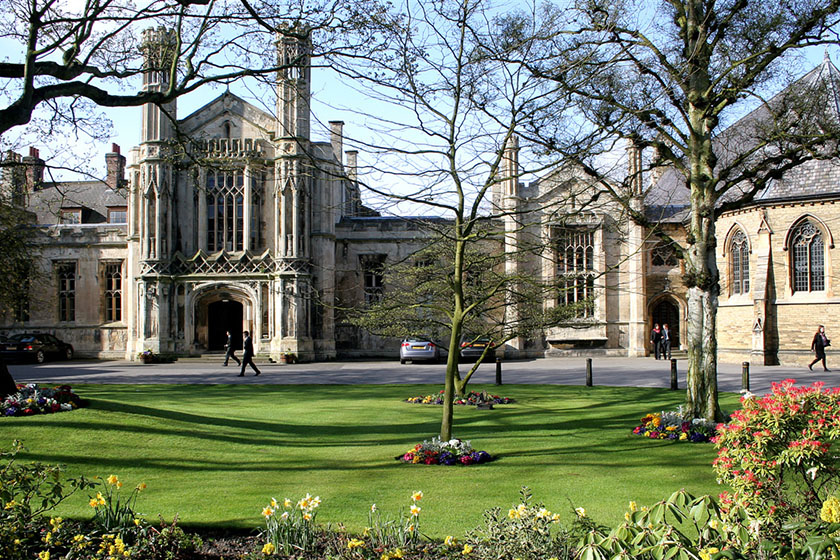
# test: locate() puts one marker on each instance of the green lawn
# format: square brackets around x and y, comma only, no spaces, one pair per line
[214,455]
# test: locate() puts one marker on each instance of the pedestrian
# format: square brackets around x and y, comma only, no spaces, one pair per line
[666,342]
[656,339]
[248,354]
[230,352]
[818,346]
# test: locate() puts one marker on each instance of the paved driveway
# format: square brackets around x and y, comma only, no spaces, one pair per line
[638,372]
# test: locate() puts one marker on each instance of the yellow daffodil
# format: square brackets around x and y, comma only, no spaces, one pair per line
[273,503]
[355,543]
[450,541]
[514,513]
[633,506]
[307,516]
[523,510]
[267,512]
[385,556]
[580,512]
[136,522]
[706,553]
[417,496]
[372,507]
[100,498]
[141,486]
[543,513]
[287,503]
[78,538]
[44,555]
[398,553]
[467,549]
[268,549]
[411,528]
[112,480]
[627,516]
[285,516]
[315,502]
[56,522]
[366,532]
[93,503]
[415,510]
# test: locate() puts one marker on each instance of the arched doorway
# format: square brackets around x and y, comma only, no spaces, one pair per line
[667,311]
[224,315]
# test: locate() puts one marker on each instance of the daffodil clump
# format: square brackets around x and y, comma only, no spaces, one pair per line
[112,510]
[526,530]
[290,525]
[391,536]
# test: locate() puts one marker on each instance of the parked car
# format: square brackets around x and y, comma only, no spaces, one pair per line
[35,347]
[472,348]
[417,348]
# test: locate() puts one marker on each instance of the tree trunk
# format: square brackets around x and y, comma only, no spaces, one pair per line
[7,382]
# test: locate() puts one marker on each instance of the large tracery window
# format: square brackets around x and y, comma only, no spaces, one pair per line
[808,258]
[575,256]
[225,212]
[739,261]
[664,254]
[112,295]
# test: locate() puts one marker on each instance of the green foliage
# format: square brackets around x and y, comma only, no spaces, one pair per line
[776,455]
[27,491]
[527,531]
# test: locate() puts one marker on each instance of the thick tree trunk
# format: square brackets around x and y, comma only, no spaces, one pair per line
[7,382]
[701,382]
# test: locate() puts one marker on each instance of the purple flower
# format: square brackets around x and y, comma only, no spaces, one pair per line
[11,411]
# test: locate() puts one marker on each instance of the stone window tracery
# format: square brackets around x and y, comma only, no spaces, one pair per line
[575,256]
[664,254]
[66,275]
[807,258]
[225,218]
[739,262]
[113,291]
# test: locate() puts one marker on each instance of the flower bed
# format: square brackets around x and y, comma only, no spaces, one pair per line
[675,426]
[449,453]
[472,398]
[32,399]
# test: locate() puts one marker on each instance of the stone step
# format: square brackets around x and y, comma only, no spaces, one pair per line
[219,358]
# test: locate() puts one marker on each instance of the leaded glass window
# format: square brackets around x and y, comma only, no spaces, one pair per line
[808,258]
[575,257]
[739,259]
[225,210]
[66,275]
[113,291]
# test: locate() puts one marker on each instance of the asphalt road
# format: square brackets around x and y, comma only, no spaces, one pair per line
[630,372]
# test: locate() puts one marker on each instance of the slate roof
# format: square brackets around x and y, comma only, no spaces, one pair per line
[93,197]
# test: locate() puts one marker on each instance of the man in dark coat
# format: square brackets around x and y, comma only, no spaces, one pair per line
[248,355]
[230,352]
[656,340]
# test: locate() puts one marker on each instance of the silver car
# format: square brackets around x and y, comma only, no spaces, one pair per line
[416,348]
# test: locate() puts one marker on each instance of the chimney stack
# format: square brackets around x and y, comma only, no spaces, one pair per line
[352,164]
[34,170]
[115,165]
[337,138]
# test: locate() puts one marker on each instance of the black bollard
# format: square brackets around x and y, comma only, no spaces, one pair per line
[498,371]
[589,372]
[745,376]
[674,386]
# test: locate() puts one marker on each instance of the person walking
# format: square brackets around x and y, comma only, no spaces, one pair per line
[818,346]
[248,354]
[666,342]
[656,339]
[230,352]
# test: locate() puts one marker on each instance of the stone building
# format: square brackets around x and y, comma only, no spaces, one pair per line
[253,225]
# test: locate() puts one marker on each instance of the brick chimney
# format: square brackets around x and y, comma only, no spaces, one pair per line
[34,170]
[115,164]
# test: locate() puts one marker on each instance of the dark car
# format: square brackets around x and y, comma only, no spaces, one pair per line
[416,348]
[35,347]
[472,348]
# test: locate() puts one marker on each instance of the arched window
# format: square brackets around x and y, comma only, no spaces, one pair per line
[664,254]
[808,258]
[739,263]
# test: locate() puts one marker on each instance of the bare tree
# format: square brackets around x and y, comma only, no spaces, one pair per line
[671,76]
[448,107]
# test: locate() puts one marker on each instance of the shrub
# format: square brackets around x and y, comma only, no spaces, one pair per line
[526,531]
[27,491]
[776,456]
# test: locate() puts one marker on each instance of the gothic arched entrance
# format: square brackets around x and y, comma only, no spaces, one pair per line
[667,311]
[222,316]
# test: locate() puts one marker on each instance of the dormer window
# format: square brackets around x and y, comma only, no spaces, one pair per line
[70,216]
[118,215]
